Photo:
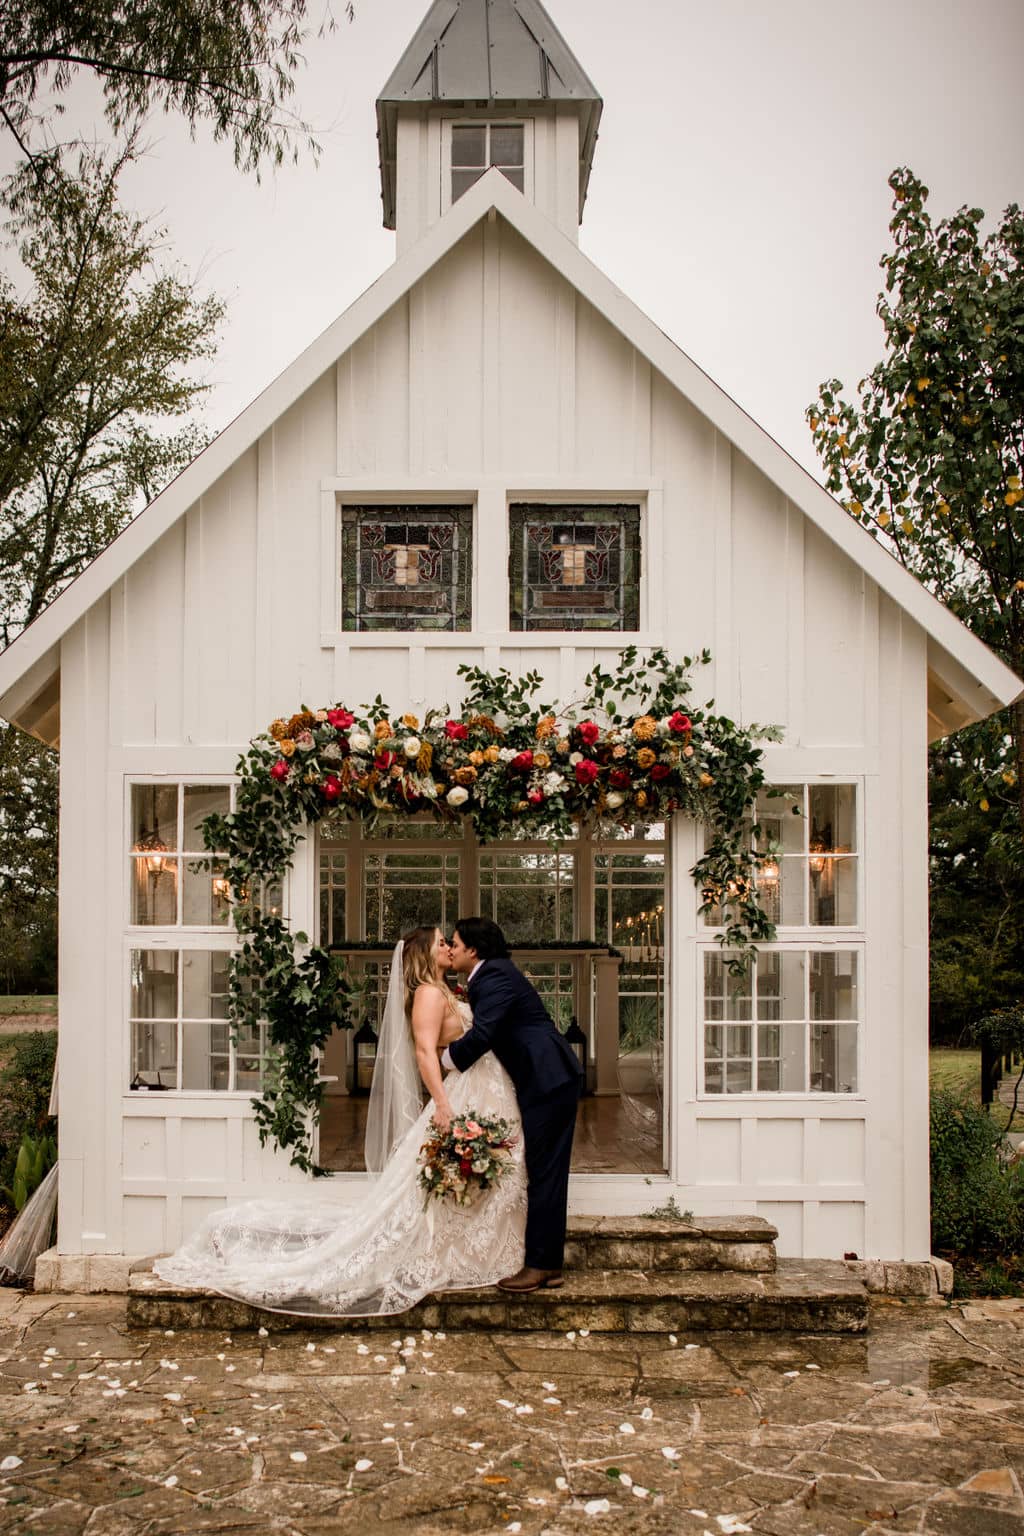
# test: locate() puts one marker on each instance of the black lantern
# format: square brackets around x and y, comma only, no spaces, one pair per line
[575,1037]
[364,1059]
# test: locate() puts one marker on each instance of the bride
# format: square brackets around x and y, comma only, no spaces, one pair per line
[311,1254]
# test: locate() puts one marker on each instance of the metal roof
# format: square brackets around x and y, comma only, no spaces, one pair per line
[502,53]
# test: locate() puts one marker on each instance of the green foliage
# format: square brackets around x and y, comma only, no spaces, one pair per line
[36,1156]
[230,67]
[977,1197]
[25,1085]
[509,764]
[28,862]
[98,350]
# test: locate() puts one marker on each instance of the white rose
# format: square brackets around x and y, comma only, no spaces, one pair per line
[574,758]
[458,795]
[506,754]
[614,800]
[359,741]
[411,746]
[553,782]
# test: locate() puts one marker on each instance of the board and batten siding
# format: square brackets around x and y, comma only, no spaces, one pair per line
[493,379]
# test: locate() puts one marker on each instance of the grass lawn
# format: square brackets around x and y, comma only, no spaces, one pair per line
[22,1002]
[960,1072]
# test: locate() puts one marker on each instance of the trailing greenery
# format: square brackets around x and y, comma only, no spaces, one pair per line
[630,751]
[977,1195]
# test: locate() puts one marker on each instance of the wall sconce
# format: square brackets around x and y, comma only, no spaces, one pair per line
[221,888]
[155,849]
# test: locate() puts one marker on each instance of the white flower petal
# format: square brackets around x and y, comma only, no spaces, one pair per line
[363,1465]
[296,1455]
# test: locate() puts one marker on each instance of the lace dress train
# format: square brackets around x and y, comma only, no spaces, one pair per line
[313,1253]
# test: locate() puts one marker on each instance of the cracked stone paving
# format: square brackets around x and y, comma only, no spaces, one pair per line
[917,1426]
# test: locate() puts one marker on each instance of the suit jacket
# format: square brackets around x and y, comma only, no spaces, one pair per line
[510,1020]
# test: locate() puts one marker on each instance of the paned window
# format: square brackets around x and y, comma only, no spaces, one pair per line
[789,1025]
[478,146]
[529,895]
[180,1032]
[574,567]
[406,568]
[811,880]
[409,890]
[174,880]
[629,914]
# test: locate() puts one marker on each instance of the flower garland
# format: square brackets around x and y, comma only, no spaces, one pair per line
[510,763]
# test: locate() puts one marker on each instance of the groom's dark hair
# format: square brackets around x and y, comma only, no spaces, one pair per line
[485,937]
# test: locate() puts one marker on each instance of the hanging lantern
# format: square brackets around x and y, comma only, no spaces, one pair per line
[575,1037]
[364,1059]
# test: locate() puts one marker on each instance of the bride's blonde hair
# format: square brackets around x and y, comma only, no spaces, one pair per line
[418,965]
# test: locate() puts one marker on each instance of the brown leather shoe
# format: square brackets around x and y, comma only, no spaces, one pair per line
[530,1279]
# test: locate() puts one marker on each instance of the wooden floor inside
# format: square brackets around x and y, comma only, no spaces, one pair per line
[613,1135]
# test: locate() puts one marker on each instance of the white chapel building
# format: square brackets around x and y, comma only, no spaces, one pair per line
[493,457]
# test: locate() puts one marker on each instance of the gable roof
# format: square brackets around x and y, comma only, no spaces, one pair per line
[967,681]
[502,53]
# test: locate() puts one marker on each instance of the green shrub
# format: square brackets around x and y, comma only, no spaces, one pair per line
[25,1086]
[36,1156]
[977,1198]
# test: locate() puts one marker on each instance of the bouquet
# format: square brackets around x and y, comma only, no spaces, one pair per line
[460,1164]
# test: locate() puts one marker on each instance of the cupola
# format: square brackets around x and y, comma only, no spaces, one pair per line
[485,83]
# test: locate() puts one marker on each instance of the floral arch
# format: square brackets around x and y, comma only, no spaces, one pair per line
[632,749]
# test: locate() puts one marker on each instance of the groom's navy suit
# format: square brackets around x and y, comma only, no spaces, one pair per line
[510,1020]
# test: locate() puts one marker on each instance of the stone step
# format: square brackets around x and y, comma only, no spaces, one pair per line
[744,1244]
[804,1296]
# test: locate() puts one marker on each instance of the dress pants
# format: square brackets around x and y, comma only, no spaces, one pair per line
[548,1128]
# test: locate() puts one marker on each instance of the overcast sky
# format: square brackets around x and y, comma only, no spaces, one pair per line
[738,194]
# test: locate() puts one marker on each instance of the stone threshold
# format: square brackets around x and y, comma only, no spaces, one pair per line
[819,1296]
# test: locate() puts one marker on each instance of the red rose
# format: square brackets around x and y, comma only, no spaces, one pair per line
[340,719]
[522,762]
[588,732]
[619,778]
[331,787]
[660,772]
[586,772]
[281,769]
[465,1166]
[680,723]
[384,761]
[456,731]
[535,797]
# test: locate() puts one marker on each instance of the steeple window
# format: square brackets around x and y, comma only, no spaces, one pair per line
[478,146]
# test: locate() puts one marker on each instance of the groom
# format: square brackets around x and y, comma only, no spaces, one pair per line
[510,1020]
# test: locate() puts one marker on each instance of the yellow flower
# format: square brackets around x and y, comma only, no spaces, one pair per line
[884,519]
[646,758]
[477,758]
[279,730]
[410,722]
[541,760]
[562,746]
[1014,482]
[287,746]
[706,780]
[491,754]
[645,728]
[641,798]
[983,805]
[382,730]
[923,383]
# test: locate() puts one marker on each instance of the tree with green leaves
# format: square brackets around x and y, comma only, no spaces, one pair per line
[929,457]
[230,67]
[100,342]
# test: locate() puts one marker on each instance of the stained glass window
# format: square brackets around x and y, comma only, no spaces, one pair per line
[574,567]
[406,568]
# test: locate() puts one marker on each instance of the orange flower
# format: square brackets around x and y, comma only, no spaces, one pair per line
[541,760]
[562,746]
[382,729]
[477,758]
[410,722]
[618,751]
[465,776]
[705,780]
[287,746]
[646,728]
[545,727]
[645,757]
[279,730]
[492,754]
[425,758]
[303,721]
[641,798]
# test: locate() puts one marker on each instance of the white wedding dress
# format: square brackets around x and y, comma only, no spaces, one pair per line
[315,1254]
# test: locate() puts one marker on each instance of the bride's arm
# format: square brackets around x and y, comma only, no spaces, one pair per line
[428,1011]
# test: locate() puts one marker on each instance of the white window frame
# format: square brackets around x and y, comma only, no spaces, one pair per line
[488,120]
[176,937]
[805,937]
